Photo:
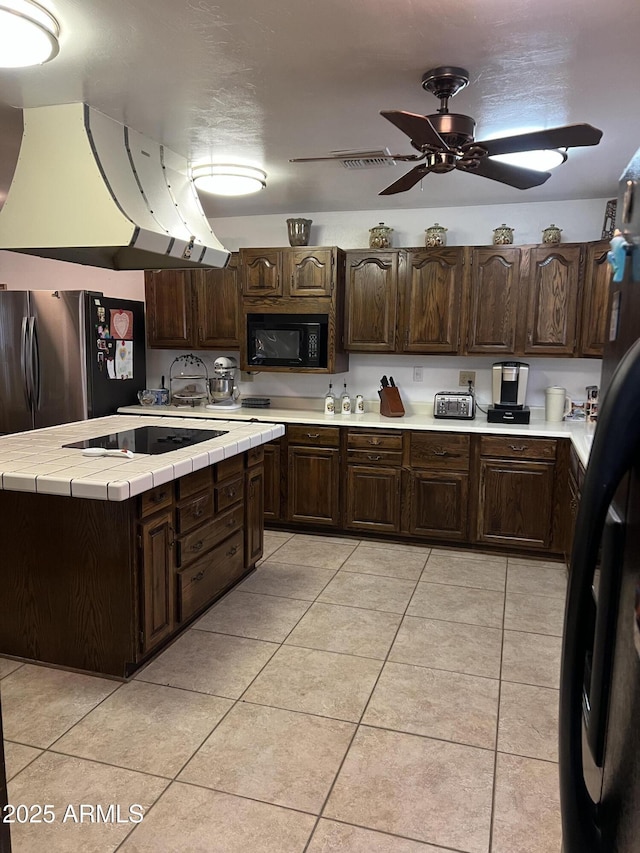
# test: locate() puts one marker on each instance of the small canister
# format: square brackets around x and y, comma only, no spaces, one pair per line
[503,235]
[380,236]
[359,404]
[435,236]
[551,235]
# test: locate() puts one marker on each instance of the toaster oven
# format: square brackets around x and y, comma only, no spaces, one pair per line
[455,404]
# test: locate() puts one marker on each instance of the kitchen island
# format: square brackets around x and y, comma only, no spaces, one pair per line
[105,559]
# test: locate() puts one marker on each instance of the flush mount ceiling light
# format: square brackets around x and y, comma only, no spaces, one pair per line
[229,179]
[540,161]
[28,34]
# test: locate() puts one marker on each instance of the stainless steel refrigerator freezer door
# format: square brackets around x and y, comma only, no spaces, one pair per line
[59,362]
[15,412]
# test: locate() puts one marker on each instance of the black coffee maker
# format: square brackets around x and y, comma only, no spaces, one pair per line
[509,387]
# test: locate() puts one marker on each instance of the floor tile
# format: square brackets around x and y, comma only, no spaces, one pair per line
[531,659]
[324,683]
[387,562]
[472,556]
[369,591]
[17,756]
[62,781]
[396,546]
[528,721]
[273,540]
[536,580]
[280,757]
[127,728]
[204,821]
[209,663]
[39,703]
[536,613]
[461,571]
[527,806]
[335,628]
[445,705]
[470,649]
[332,837]
[7,666]
[287,581]
[258,617]
[427,790]
[458,604]
[316,551]
[538,564]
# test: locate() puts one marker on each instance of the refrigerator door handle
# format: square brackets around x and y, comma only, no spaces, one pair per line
[24,362]
[34,359]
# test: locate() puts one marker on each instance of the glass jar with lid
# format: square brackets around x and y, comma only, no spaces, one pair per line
[435,236]
[503,235]
[380,236]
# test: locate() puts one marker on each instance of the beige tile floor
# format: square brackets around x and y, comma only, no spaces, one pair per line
[348,697]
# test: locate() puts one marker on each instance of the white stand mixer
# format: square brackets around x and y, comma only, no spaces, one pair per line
[223,391]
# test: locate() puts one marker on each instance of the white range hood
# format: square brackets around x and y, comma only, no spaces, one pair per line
[90,190]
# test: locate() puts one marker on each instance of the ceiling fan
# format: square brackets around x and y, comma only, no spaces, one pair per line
[446,142]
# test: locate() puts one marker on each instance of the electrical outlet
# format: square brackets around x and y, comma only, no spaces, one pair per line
[467,376]
[418,375]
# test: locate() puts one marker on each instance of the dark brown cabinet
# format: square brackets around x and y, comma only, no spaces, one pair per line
[272,474]
[516,491]
[373,482]
[595,300]
[158,585]
[494,292]
[439,485]
[313,465]
[197,309]
[551,317]
[311,272]
[261,272]
[430,296]
[296,272]
[254,511]
[371,301]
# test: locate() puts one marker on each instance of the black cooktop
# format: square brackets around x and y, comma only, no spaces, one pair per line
[150,439]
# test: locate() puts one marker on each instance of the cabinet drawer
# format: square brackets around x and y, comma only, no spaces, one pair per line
[517,447]
[209,575]
[194,511]
[193,483]
[315,435]
[229,467]
[191,546]
[155,499]
[255,456]
[440,450]
[375,457]
[229,493]
[373,440]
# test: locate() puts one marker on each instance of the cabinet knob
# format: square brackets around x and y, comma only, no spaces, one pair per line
[198,577]
[230,492]
[439,452]
[374,441]
[313,435]
[198,512]
[232,551]
[374,458]
[159,497]
[197,546]
[231,522]
[518,447]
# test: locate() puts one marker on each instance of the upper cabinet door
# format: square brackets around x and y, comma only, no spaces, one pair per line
[310,271]
[217,306]
[371,301]
[169,309]
[552,300]
[493,300]
[261,272]
[595,301]
[431,301]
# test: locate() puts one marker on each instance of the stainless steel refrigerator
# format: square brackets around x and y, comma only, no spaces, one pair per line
[67,355]
[599,735]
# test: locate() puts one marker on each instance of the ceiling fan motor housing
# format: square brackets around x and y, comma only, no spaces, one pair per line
[455,129]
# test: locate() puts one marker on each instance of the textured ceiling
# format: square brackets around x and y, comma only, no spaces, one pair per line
[266,81]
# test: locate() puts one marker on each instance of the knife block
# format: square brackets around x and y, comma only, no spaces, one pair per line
[390,403]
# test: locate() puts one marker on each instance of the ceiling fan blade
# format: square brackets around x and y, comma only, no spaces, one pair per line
[571,136]
[514,176]
[418,128]
[406,181]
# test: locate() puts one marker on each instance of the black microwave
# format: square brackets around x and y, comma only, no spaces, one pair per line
[287,340]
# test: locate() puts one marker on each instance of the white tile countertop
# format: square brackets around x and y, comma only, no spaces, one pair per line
[302,410]
[35,461]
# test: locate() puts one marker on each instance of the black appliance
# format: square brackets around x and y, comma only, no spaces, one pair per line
[287,340]
[149,439]
[67,355]
[509,389]
[599,735]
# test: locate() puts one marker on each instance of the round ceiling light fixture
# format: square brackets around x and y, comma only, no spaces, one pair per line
[28,34]
[540,161]
[229,179]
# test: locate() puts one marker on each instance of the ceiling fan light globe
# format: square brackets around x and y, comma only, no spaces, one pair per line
[539,161]
[28,34]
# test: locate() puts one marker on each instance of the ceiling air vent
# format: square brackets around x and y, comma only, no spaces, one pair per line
[365,159]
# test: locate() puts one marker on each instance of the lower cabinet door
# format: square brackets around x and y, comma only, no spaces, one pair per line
[515,503]
[439,504]
[313,485]
[158,579]
[373,498]
[254,516]
[272,470]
